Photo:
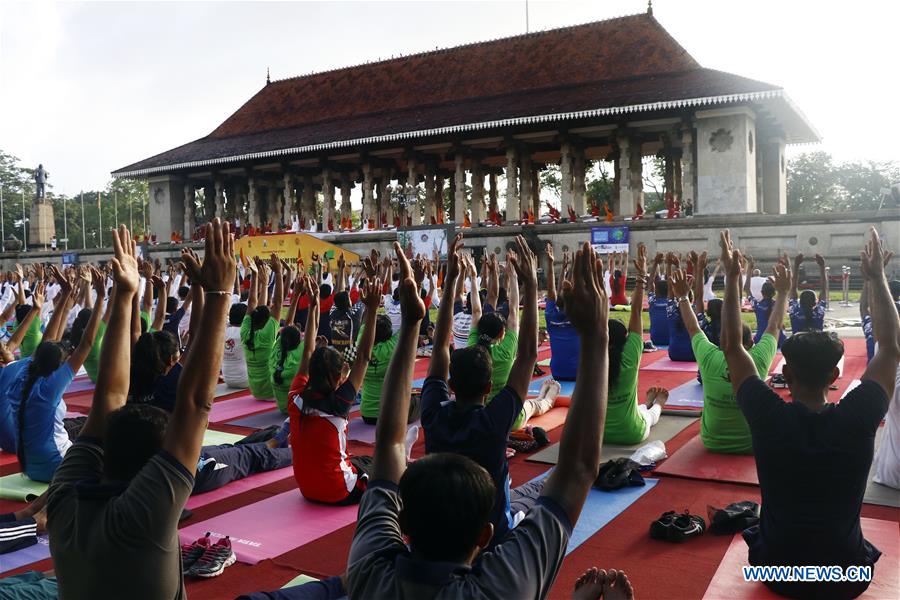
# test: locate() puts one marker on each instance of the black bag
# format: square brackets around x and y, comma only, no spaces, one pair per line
[735,517]
[619,473]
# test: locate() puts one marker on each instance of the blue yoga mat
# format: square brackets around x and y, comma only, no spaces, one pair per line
[602,507]
[261,420]
[566,388]
[26,556]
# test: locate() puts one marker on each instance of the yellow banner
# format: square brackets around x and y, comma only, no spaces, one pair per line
[290,247]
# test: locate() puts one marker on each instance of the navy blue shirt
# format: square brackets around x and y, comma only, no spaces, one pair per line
[565,346]
[659,323]
[680,348]
[172,322]
[477,432]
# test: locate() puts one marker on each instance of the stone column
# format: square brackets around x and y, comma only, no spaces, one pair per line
[668,171]
[439,212]
[536,190]
[625,204]
[430,193]
[346,185]
[578,181]
[273,206]
[513,212]
[368,203]
[493,193]
[412,190]
[676,175]
[566,191]
[220,198]
[459,195]
[189,198]
[253,218]
[288,199]
[328,220]
[687,167]
[477,192]
[774,181]
[525,180]
[384,201]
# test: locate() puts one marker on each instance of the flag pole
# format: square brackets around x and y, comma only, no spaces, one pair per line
[100,219]
[2,224]
[24,226]
[65,224]
[83,231]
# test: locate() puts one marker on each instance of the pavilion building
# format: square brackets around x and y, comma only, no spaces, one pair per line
[405,128]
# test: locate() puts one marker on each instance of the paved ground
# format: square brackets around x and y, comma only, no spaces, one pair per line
[844,320]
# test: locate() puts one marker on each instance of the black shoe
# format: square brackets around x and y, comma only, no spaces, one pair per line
[659,529]
[686,526]
[540,436]
[733,518]
[778,381]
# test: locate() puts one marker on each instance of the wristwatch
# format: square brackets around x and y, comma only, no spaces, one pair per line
[680,299]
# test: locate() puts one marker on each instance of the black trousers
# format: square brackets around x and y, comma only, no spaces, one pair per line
[236,462]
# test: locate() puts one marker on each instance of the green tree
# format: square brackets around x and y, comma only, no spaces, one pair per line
[551,181]
[599,186]
[812,183]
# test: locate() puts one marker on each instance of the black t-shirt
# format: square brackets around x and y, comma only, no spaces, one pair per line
[344,327]
[812,469]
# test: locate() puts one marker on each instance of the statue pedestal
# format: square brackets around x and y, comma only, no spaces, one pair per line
[41,227]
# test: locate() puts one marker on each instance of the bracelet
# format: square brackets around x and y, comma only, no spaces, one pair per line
[681,299]
[222,292]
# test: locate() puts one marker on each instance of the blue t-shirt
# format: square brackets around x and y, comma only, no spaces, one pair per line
[798,317]
[165,388]
[565,346]
[659,322]
[763,308]
[680,348]
[9,403]
[478,432]
[45,439]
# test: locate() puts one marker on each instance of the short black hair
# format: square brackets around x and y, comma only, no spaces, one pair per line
[22,311]
[384,330]
[812,357]
[490,327]
[171,305]
[342,300]
[662,288]
[236,314]
[768,290]
[470,371]
[457,489]
[324,291]
[134,433]
[183,292]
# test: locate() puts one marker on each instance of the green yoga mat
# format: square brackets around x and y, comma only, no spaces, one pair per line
[18,487]
[214,438]
[544,363]
[667,428]
[299,580]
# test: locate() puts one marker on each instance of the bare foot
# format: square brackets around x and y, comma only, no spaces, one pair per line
[40,517]
[657,395]
[589,586]
[549,390]
[617,586]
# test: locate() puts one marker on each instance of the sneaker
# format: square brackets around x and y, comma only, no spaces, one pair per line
[686,526]
[659,529]
[214,560]
[778,381]
[191,553]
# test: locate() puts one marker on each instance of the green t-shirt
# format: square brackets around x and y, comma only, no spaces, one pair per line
[291,363]
[503,354]
[32,338]
[92,362]
[624,423]
[145,317]
[375,372]
[722,425]
[258,358]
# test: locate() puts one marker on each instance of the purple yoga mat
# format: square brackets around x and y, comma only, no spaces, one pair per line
[666,364]
[235,408]
[25,556]
[688,394]
[260,420]
[273,526]
[358,431]
[238,487]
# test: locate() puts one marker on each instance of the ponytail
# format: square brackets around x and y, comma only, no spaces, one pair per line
[151,354]
[288,340]
[618,334]
[46,359]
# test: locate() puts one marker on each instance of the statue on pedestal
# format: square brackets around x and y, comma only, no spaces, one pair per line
[41,226]
[40,181]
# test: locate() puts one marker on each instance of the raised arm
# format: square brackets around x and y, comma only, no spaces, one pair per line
[295,300]
[80,354]
[278,292]
[798,260]
[823,278]
[751,266]
[579,449]
[740,365]
[670,264]
[551,280]
[512,293]
[147,272]
[439,366]
[493,280]
[635,323]
[700,261]
[864,300]
[113,377]
[390,435]
[781,279]
[885,320]
[253,294]
[679,283]
[473,290]
[196,387]
[308,285]
[525,265]
[37,303]
[371,298]
[162,299]
[58,318]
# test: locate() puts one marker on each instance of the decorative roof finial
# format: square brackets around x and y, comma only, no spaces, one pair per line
[650,7]
[268,77]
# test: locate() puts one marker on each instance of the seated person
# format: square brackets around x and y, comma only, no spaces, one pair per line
[811,515]
[286,352]
[399,548]
[807,312]
[321,395]
[155,370]
[260,326]
[382,350]
[658,304]
[722,425]
[124,480]
[234,366]
[9,371]
[628,422]
[763,309]
[467,425]
[564,349]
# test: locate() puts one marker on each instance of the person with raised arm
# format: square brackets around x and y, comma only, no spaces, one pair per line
[403,500]
[813,457]
[259,327]
[564,348]
[117,496]
[469,425]
[806,311]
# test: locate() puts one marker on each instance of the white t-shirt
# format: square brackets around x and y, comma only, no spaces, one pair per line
[234,368]
[756,284]
[708,293]
[887,456]
[462,325]
[392,310]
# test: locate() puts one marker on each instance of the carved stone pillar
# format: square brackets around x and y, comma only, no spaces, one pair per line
[219,187]
[459,195]
[412,192]
[308,202]
[430,193]
[273,206]
[536,190]
[368,205]
[288,200]
[346,185]
[328,220]
[439,212]
[687,167]
[384,200]
[579,165]
[525,183]
[189,198]
[625,205]
[492,193]
[513,213]
[566,188]
[253,218]
[477,192]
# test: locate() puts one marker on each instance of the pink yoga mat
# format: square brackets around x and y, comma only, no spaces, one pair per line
[273,526]
[694,461]
[666,364]
[359,431]
[235,408]
[728,581]
[238,487]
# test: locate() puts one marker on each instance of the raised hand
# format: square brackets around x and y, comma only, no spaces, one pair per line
[798,260]
[158,283]
[370,294]
[781,278]
[640,263]
[820,260]
[275,264]
[419,268]
[98,280]
[872,257]
[585,296]
[525,263]
[454,258]
[37,295]
[62,280]
[679,283]
[124,263]
[412,308]
[730,262]
[370,267]
[216,273]
[702,262]
[549,251]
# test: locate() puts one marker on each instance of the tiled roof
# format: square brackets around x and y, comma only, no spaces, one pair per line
[619,62]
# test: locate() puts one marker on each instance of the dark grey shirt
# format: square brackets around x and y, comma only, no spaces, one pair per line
[117,540]
[523,565]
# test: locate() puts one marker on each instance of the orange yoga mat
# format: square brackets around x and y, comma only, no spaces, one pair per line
[728,581]
[551,419]
[694,461]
